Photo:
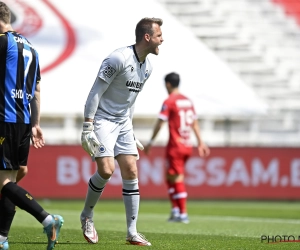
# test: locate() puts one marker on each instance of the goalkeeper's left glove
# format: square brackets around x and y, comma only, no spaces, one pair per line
[89,140]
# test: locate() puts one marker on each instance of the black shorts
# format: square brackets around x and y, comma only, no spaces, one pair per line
[14,145]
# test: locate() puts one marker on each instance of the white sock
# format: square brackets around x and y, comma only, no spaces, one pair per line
[131,198]
[46,222]
[2,238]
[175,211]
[95,188]
[183,215]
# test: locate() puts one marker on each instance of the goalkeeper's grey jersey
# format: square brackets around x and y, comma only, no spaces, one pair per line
[126,77]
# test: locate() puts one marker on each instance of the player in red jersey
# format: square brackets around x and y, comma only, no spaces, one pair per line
[178,110]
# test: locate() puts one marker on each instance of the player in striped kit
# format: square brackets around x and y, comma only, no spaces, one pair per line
[19,123]
[107,131]
[179,112]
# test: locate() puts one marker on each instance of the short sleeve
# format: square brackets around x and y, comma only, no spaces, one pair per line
[111,66]
[164,112]
[3,44]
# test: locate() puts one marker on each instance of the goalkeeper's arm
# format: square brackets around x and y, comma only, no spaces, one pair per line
[93,99]
[89,140]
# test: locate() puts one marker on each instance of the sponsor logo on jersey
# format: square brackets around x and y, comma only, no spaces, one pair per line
[109,71]
[134,86]
[19,94]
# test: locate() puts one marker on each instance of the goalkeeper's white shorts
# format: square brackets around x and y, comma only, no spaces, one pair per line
[115,138]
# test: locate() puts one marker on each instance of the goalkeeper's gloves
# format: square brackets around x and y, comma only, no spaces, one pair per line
[89,141]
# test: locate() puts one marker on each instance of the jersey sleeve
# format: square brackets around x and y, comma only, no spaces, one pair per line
[165,111]
[111,66]
[3,44]
[38,75]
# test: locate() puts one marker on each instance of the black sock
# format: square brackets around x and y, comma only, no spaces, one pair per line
[7,213]
[21,198]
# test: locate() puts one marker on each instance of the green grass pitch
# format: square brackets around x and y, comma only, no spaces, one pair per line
[214,225]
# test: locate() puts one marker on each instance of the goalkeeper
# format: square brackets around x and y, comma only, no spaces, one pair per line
[107,130]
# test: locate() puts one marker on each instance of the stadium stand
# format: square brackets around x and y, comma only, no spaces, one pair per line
[256,39]
[259,39]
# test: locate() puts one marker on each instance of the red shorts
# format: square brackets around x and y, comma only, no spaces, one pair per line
[175,161]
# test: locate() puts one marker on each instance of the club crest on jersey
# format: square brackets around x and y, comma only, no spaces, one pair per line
[164,107]
[132,68]
[109,71]
[102,149]
[146,74]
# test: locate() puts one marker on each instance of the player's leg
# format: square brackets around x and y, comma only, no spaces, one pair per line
[7,213]
[14,148]
[178,196]
[96,185]
[131,198]
[24,200]
[175,176]
[131,194]
[126,155]
[175,212]
[171,191]
[181,198]
[105,168]
[8,210]
[22,172]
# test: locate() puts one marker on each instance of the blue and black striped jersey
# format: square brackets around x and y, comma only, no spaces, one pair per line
[19,74]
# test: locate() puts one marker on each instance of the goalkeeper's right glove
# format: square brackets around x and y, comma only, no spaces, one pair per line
[89,140]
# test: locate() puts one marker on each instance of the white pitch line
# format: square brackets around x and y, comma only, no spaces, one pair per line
[198,217]
[250,219]
[233,218]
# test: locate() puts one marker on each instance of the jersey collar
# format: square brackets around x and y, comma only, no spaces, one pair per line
[136,55]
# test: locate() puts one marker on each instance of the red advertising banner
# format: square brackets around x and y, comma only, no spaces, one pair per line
[228,173]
